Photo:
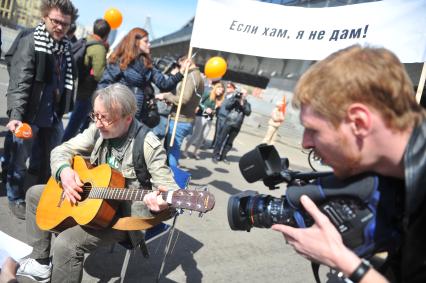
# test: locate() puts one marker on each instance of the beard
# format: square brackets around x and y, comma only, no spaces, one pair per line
[348,159]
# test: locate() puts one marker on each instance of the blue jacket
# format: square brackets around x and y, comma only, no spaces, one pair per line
[137,77]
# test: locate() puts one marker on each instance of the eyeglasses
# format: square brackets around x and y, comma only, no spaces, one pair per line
[101,118]
[59,23]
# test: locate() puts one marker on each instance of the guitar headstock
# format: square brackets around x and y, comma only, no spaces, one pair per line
[201,201]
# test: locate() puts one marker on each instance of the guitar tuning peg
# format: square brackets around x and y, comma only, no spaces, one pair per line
[200,214]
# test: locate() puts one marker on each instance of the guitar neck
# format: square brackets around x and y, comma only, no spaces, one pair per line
[201,201]
[120,194]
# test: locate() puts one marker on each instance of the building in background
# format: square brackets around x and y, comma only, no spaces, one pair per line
[6,7]
[20,13]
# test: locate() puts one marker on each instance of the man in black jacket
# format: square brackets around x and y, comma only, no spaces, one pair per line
[41,82]
[360,115]
[237,108]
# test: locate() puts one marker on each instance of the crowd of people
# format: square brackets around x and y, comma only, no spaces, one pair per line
[357,108]
[42,100]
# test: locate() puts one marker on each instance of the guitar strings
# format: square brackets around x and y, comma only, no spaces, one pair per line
[88,189]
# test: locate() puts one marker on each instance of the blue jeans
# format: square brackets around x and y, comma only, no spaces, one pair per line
[46,139]
[80,113]
[183,129]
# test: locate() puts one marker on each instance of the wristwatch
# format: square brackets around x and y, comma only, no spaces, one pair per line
[360,271]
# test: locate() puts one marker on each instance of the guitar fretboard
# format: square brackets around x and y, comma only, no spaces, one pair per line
[118,194]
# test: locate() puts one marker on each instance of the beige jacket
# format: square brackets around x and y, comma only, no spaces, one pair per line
[194,89]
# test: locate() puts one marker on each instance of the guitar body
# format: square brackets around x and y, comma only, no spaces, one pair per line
[55,213]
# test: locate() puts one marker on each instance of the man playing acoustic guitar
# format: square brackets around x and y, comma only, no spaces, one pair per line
[109,140]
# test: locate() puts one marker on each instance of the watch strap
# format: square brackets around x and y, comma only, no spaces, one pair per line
[360,271]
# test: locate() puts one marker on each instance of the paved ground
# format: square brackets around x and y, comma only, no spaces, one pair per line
[205,249]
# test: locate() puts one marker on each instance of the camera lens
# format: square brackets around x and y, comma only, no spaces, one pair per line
[249,209]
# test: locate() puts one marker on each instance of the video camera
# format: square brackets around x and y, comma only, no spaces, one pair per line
[238,93]
[363,208]
[165,64]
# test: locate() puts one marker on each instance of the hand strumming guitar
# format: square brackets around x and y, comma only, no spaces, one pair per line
[71,184]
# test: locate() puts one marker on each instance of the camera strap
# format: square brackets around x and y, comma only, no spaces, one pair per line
[315,269]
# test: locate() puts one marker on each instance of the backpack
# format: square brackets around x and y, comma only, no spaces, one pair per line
[78,51]
[9,54]
[142,172]
[150,115]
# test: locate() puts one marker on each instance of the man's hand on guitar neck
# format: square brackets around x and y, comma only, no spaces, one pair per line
[71,184]
[154,200]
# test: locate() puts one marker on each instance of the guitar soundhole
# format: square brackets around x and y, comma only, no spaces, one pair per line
[86,190]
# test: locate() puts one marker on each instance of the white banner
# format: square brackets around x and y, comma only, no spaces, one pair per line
[277,31]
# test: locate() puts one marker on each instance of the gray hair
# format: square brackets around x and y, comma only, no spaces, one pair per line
[118,99]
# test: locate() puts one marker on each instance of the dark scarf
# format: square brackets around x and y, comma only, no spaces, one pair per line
[45,44]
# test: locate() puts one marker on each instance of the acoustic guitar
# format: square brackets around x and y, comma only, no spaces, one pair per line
[103,188]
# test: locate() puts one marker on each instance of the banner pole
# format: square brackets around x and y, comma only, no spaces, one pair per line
[179,106]
[421,85]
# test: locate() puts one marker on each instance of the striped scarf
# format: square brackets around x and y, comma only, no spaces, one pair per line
[44,43]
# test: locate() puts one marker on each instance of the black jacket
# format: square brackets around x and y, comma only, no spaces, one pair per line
[236,111]
[413,252]
[28,75]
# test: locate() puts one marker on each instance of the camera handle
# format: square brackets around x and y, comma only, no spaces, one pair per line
[292,178]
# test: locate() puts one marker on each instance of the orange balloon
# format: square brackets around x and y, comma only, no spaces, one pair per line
[215,67]
[23,131]
[113,17]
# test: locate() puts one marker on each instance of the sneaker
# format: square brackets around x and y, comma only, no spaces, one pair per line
[18,209]
[226,161]
[215,160]
[31,268]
